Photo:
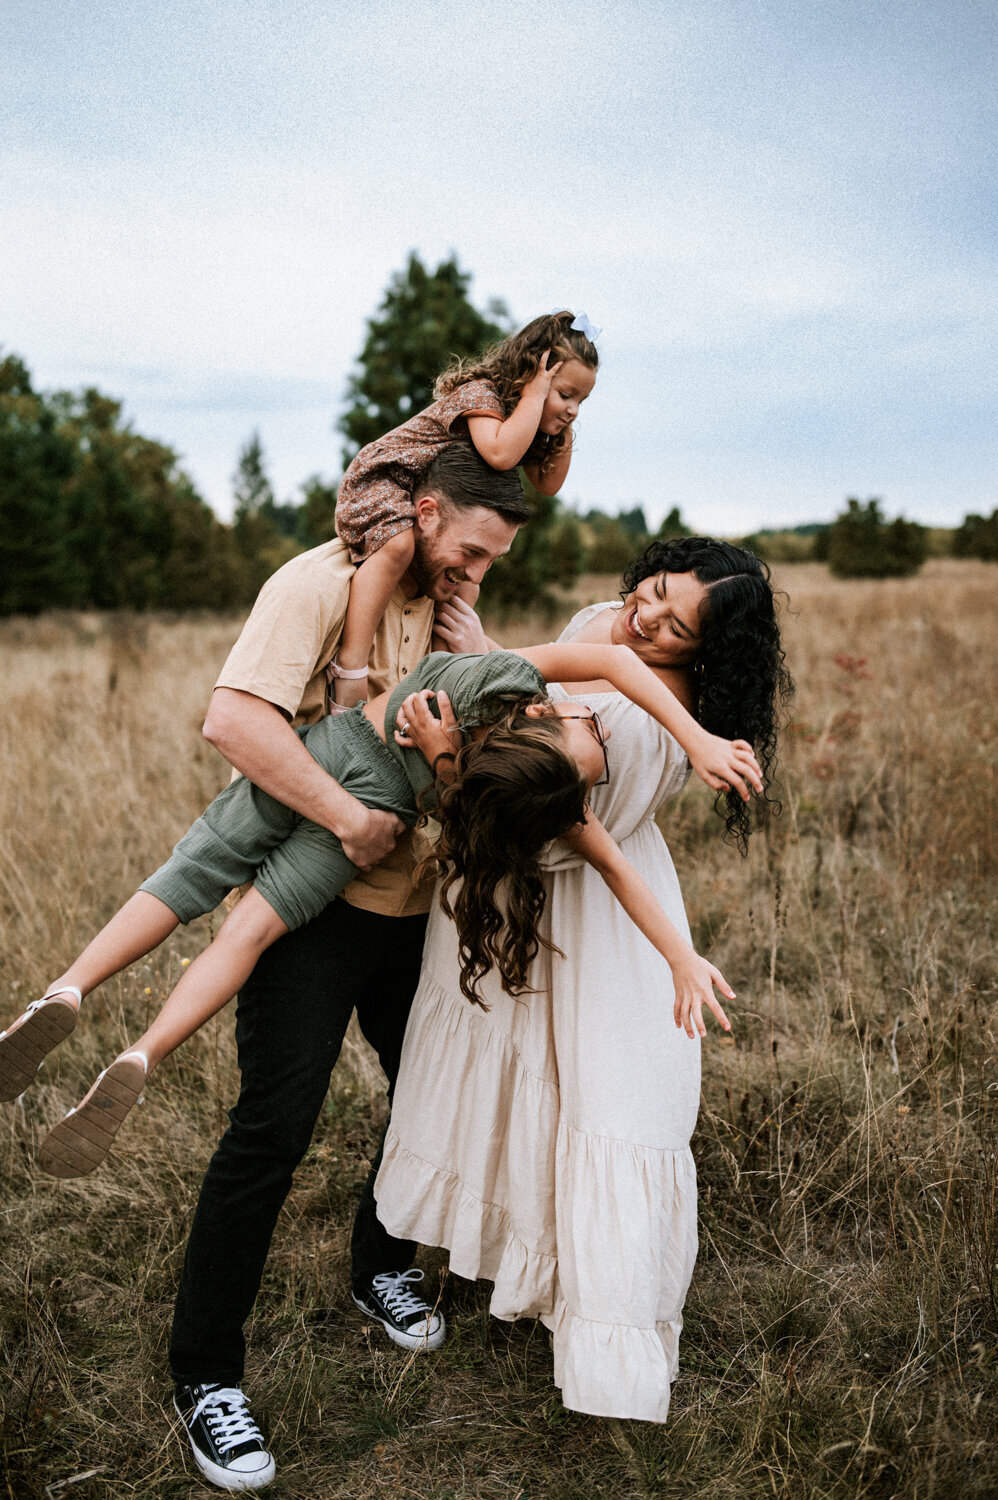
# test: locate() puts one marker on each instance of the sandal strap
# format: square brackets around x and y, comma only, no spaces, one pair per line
[64,989]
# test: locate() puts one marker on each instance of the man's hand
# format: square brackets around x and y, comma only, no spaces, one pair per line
[371,836]
[257,739]
[459,627]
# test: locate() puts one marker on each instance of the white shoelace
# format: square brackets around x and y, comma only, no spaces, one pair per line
[228,1428]
[392,1287]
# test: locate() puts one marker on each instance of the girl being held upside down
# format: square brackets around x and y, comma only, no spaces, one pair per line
[524,765]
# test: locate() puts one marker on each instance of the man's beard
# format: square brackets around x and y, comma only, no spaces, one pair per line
[421,570]
[425,572]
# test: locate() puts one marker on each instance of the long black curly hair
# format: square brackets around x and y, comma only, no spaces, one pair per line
[741,677]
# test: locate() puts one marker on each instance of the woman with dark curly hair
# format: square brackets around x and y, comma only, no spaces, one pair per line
[739,676]
[545,1141]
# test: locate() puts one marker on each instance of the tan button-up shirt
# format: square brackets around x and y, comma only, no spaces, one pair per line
[281,656]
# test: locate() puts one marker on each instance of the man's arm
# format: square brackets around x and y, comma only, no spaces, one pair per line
[256,738]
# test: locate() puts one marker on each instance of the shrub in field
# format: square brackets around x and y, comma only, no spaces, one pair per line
[977,537]
[863,544]
[567,550]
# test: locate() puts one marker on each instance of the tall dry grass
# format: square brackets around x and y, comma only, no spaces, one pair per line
[842,1333]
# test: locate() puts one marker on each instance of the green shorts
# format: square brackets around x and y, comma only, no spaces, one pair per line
[297,866]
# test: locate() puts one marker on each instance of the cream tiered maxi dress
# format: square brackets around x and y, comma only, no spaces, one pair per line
[545,1143]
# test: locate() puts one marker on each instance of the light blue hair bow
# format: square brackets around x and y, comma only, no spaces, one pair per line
[587,329]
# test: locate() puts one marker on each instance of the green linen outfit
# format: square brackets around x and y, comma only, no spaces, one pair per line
[296,865]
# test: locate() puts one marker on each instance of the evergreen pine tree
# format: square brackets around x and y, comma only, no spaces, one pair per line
[260,541]
[116,504]
[36,462]
[316,513]
[251,487]
[673,526]
[424,320]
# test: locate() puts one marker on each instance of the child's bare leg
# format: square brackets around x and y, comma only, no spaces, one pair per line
[213,978]
[80,1142]
[370,590]
[141,925]
[469,592]
[135,930]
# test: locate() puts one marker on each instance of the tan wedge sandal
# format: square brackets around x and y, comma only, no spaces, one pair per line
[25,1045]
[80,1142]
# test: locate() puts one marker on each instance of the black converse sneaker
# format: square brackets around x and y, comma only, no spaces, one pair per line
[227,1444]
[404,1316]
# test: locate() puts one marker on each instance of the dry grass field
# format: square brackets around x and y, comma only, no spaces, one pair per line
[842,1331]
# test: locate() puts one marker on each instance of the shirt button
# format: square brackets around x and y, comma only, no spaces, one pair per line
[404,671]
[405,640]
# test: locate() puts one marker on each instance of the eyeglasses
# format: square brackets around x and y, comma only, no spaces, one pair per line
[594,720]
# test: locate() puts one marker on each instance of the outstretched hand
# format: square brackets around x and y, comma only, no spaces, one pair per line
[694,980]
[725,764]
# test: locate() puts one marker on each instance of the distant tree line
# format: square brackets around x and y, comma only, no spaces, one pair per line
[862,543]
[94,515]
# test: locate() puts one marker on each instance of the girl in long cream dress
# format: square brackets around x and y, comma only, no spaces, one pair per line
[545,1141]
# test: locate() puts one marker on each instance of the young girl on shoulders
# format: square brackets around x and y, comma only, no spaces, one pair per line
[517,404]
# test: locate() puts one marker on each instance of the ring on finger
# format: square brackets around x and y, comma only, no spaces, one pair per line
[404,728]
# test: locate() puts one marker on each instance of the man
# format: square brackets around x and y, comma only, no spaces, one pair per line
[363,952]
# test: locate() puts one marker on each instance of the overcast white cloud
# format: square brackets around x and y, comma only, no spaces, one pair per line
[784,215]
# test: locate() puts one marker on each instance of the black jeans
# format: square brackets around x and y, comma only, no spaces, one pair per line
[290,1020]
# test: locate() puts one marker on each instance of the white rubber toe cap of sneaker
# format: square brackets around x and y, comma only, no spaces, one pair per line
[250,1471]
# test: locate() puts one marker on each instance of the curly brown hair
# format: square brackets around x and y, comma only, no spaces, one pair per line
[511,363]
[514,790]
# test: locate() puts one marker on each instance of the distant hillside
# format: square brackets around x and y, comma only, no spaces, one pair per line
[810,528]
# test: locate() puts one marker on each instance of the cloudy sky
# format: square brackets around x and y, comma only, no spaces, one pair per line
[784,213]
